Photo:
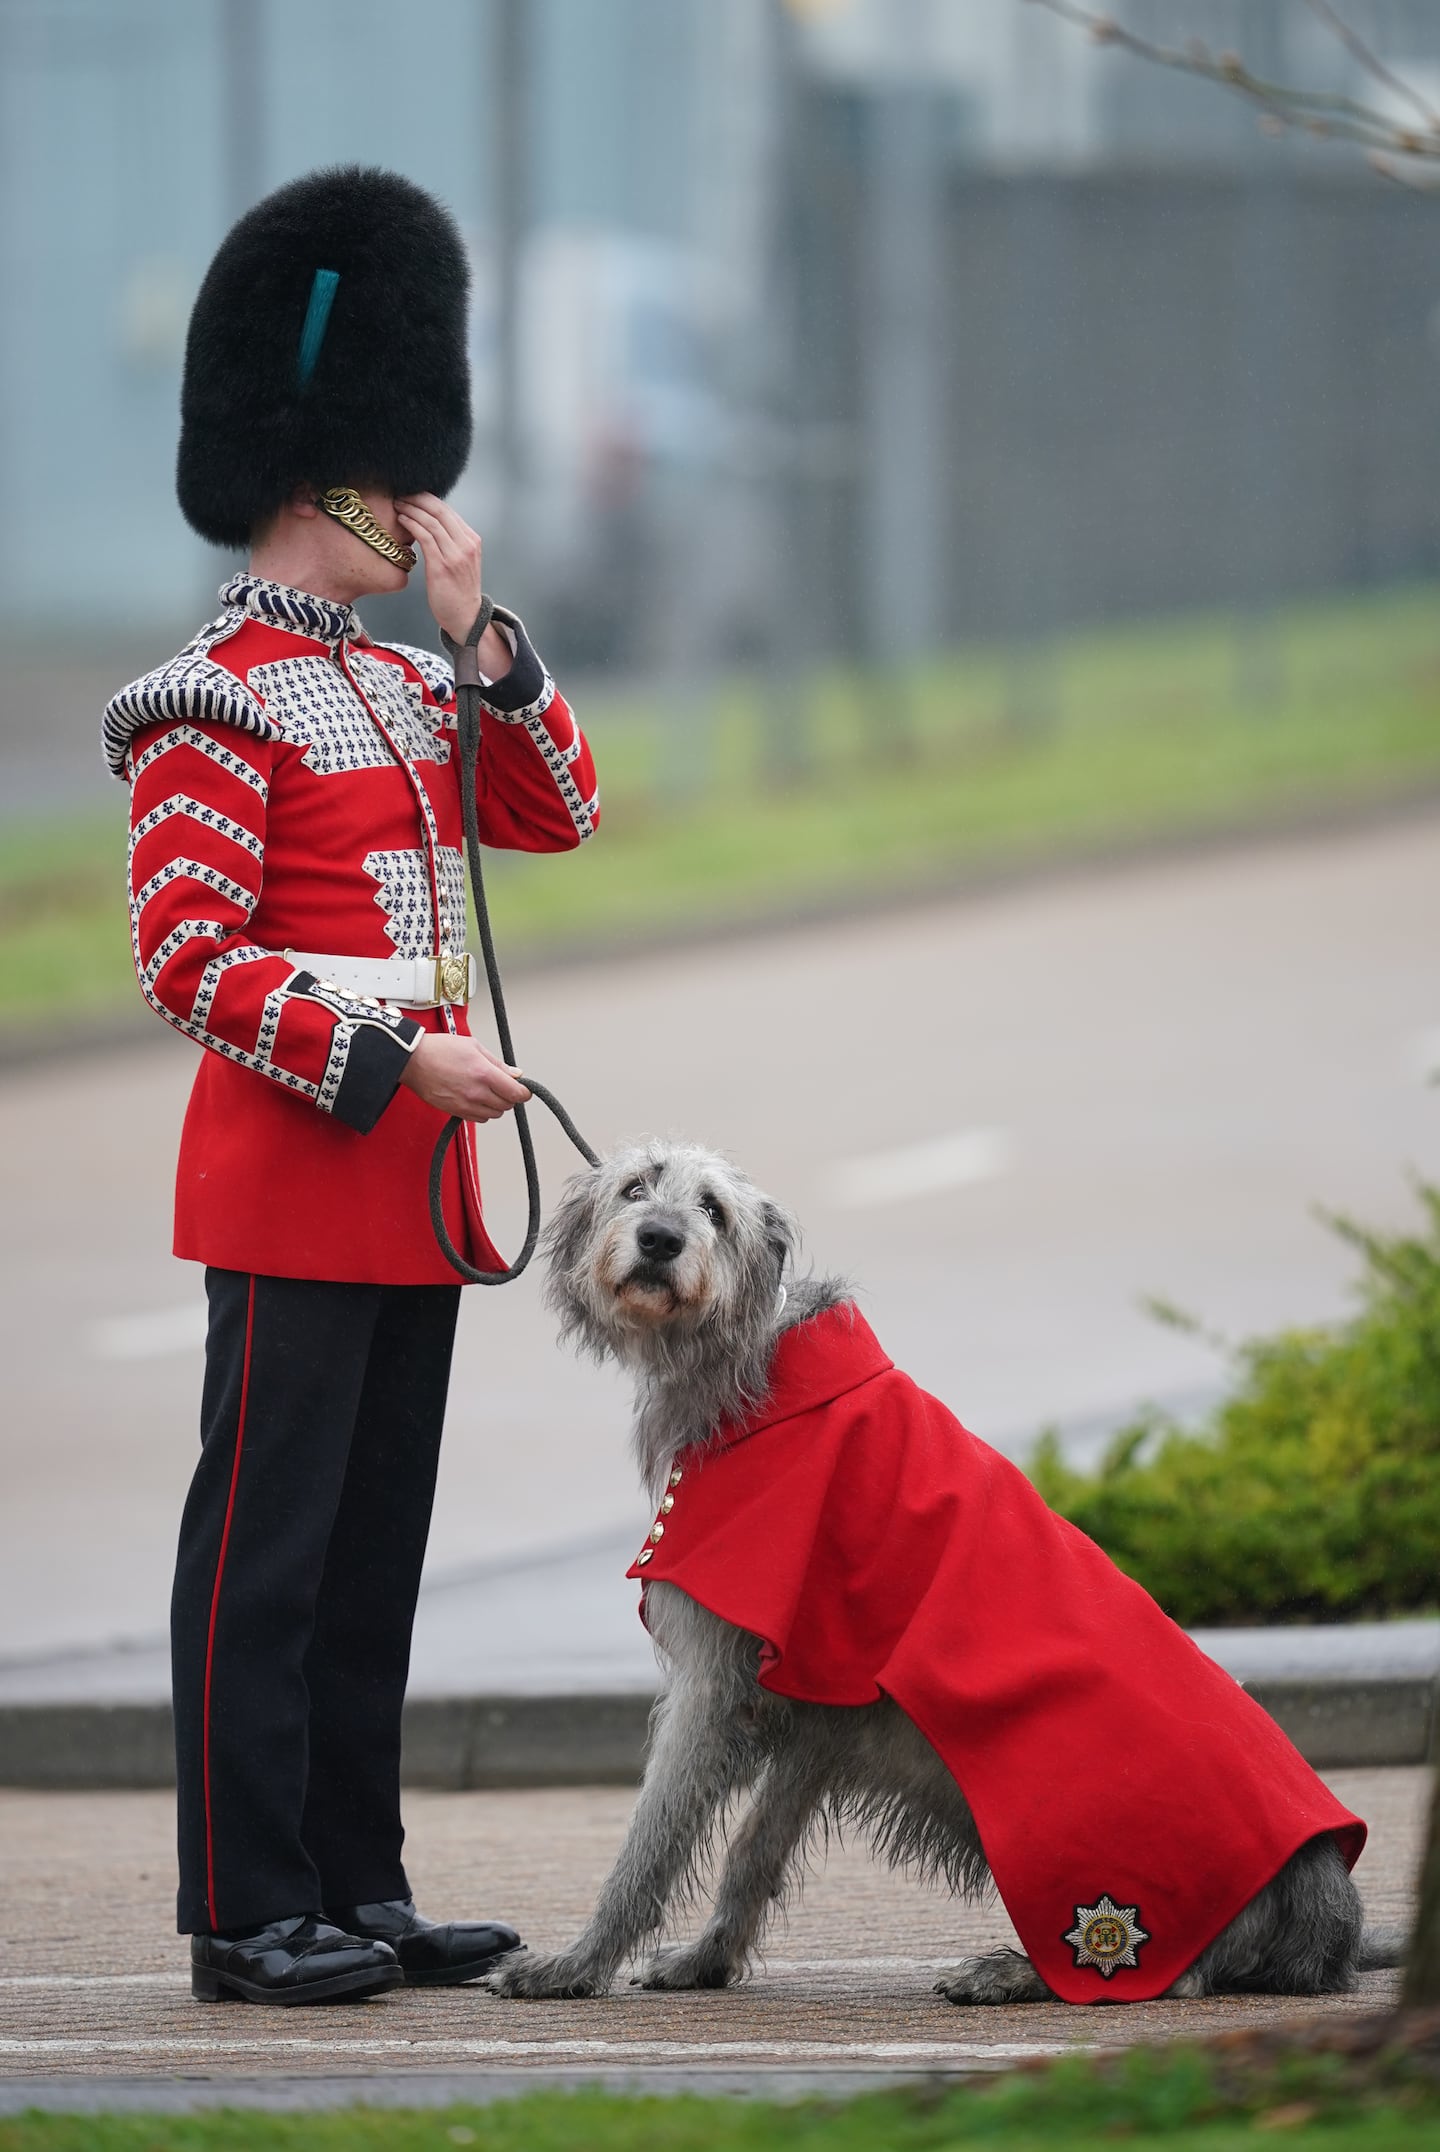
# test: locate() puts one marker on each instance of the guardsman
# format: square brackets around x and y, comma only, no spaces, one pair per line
[298,909]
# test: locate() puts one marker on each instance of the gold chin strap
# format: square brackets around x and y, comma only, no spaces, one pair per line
[346,506]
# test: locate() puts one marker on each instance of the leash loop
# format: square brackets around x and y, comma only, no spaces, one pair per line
[468,686]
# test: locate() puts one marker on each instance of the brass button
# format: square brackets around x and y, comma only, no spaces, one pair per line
[657,1532]
[676,1476]
[667,1505]
[646,1554]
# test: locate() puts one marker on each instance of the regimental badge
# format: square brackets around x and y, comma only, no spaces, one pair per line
[1107,1935]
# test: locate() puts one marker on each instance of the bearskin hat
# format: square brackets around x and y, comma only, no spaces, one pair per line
[327,347]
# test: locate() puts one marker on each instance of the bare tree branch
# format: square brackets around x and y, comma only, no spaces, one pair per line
[1413,180]
[1356,46]
[1317,112]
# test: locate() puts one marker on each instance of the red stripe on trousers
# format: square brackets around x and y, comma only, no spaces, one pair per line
[215,1602]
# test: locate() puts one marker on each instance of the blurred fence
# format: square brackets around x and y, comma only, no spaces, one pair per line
[1108,395]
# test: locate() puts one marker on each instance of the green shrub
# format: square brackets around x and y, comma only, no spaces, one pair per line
[1314,1492]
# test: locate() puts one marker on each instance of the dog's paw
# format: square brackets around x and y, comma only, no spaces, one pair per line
[685,1965]
[526,1977]
[1001,1976]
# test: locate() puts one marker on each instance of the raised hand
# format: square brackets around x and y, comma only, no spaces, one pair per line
[452,552]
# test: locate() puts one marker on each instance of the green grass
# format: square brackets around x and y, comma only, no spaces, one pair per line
[841,787]
[1147,2097]
[64,926]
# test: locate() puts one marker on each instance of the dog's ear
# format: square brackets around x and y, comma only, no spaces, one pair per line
[565,1238]
[782,1234]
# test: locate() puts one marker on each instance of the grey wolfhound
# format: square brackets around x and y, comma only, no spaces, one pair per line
[670,1261]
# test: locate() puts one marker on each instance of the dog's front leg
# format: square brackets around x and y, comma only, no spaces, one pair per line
[695,1756]
[756,1866]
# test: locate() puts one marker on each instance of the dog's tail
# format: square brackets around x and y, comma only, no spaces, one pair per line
[1382,1948]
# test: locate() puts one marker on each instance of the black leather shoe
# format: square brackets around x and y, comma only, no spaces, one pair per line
[430,1956]
[300,1960]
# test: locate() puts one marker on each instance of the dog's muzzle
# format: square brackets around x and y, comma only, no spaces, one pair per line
[660,1243]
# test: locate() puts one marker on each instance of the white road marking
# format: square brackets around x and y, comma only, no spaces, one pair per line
[94,1980]
[587,2050]
[155,1336]
[920,1169]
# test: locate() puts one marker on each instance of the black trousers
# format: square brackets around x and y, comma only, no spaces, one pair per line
[295,1588]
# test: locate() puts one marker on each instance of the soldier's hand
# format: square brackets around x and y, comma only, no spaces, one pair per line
[451,552]
[459,1076]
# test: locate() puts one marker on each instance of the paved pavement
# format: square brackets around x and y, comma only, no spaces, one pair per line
[93,1982]
[1006,1118]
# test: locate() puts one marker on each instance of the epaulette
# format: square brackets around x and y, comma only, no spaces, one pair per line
[189,686]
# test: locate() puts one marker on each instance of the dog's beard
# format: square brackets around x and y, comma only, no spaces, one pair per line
[648,1300]
[657,1298]
[648,1295]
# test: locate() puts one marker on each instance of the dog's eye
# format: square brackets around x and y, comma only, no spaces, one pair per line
[713,1212]
[635,1193]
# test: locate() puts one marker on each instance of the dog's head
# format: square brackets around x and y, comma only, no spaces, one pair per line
[660,1239]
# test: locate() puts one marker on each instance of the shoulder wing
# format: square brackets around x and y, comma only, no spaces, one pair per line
[188,687]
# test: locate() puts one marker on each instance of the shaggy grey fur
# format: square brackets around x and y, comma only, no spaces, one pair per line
[669,1260]
[696,1330]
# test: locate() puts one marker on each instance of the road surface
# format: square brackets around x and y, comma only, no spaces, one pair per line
[1007,1119]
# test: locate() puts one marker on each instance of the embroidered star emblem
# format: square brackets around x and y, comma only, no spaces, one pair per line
[1107,1935]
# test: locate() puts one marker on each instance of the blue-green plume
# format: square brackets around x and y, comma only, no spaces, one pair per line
[317,320]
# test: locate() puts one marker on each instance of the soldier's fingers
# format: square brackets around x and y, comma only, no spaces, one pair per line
[420,520]
[458,542]
[423,538]
[502,1098]
[506,1085]
[494,1059]
[444,514]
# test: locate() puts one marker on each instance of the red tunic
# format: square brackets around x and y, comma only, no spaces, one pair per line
[1130,1796]
[295,786]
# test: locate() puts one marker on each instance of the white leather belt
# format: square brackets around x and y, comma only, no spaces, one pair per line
[413,982]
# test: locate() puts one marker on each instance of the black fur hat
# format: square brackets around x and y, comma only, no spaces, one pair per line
[327,347]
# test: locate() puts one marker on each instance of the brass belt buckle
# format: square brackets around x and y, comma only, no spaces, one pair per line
[452,979]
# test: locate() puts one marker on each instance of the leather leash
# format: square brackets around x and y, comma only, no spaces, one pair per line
[468,686]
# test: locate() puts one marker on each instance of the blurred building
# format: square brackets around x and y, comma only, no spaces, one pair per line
[835,325]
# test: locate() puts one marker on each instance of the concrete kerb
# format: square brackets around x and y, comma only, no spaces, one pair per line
[472,1743]
[273,2092]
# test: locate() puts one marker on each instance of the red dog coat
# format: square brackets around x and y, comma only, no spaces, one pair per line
[1130,1796]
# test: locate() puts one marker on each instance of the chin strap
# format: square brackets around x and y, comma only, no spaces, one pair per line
[468,684]
[346,506]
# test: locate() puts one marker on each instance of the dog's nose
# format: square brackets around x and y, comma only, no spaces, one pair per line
[661,1242]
